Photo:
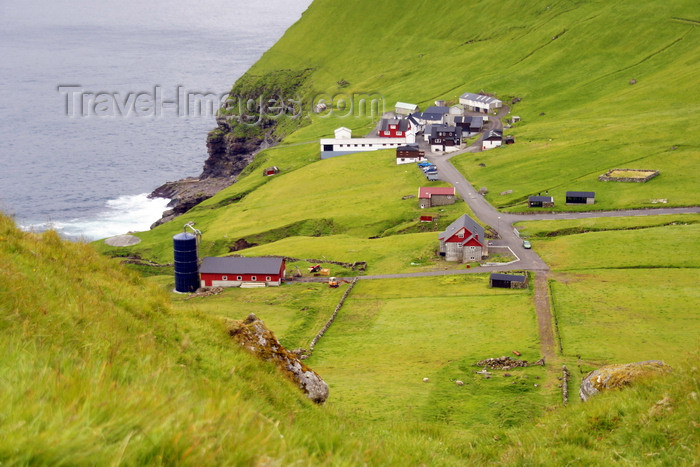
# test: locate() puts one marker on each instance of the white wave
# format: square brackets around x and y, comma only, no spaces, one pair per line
[128,213]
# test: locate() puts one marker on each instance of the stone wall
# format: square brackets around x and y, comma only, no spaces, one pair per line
[608,178]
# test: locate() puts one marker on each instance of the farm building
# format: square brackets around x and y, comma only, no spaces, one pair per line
[444,138]
[429,217]
[408,154]
[492,139]
[404,108]
[232,271]
[463,241]
[508,281]
[479,103]
[435,196]
[540,201]
[344,143]
[580,197]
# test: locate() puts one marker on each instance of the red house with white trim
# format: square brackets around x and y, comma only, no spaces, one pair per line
[394,128]
[234,271]
[463,241]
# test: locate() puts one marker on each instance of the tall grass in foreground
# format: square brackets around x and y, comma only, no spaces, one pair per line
[99,369]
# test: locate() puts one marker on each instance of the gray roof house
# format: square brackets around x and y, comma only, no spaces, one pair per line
[464,240]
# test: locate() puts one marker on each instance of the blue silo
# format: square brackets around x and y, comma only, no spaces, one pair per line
[186,265]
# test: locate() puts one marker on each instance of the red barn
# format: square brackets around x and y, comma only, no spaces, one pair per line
[435,196]
[232,271]
[463,241]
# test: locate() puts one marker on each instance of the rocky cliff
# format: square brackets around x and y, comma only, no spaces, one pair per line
[259,112]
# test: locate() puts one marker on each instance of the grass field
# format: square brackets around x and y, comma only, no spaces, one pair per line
[391,334]
[626,315]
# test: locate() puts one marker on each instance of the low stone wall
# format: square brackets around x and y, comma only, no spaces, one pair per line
[330,321]
[607,178]
[565,376]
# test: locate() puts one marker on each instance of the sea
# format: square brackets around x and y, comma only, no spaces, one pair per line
[102,102]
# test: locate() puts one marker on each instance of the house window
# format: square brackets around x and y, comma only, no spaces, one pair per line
[268,278]
[224,278]
[239,278]
[386,133]
[253,278]
[399,133]
[461,234]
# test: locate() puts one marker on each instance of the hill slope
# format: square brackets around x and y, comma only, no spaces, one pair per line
[568,63]
[98,368]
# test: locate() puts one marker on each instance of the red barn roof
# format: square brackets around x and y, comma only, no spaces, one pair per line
[427,192]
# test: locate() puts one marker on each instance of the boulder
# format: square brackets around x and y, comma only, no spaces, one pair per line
[620,375]
[253,335]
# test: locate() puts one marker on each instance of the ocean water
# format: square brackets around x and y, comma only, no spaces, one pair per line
[102,102]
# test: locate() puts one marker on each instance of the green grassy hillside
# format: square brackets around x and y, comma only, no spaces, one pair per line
[99,368]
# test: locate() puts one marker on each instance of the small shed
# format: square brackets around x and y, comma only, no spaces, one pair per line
[540,201]
[508,281]
[429,217]
[580,197]
[271,171]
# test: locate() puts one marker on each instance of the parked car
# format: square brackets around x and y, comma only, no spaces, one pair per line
[424,164]
[526,245]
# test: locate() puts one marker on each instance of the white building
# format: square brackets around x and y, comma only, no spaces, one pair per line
[492,139]
[479,103]
[344,143]
[404,108]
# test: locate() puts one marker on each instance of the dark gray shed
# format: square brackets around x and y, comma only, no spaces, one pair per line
[508,281]
[580,197]
[540,201]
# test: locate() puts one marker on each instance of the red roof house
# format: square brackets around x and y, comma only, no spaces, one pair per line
[233,271]
[435,196]
[463,241]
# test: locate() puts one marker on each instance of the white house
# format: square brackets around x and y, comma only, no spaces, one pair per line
[435,115]
[492,139]
[479,103]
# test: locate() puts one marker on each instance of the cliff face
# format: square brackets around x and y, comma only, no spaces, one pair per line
[249,122]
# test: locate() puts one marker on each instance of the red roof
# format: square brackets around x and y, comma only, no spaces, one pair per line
[427,192]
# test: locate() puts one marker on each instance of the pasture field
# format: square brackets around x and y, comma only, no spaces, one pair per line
[628,315]
[390,334]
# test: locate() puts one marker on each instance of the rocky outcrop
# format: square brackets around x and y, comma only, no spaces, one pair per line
[618,376]
[253,335]
[242,131]
[187,193]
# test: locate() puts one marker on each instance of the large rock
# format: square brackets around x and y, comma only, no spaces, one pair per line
[620,375]
[257,338]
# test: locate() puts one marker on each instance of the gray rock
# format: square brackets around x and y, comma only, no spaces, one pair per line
[618,376]
[258,339]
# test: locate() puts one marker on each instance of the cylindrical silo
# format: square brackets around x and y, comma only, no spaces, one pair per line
[186,266]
